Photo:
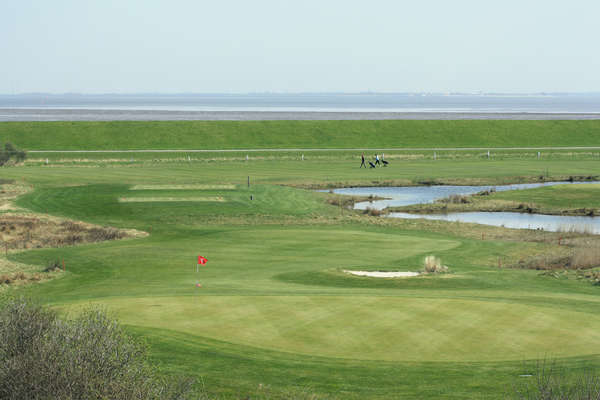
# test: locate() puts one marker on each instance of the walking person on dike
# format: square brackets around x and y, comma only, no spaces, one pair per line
[377,160]
[362,161]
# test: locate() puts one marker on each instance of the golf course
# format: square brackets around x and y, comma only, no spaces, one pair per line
[273,313]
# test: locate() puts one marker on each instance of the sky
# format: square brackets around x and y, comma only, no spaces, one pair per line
[243,46]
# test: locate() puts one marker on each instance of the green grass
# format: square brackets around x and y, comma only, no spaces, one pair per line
[275,310]
[579,199]
[125,135]
[563,197]
[334,172]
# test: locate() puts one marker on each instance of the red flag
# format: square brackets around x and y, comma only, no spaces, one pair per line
[202,260]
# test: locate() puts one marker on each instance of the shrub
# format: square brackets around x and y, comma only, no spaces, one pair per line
[89,357]
[374,212]
[53,266]
[433,265]
[11,152]
[550,383]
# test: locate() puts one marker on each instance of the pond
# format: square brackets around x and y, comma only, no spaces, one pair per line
[404,196]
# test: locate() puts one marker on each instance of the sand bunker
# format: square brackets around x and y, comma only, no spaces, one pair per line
[381,274]
[183,187]
[167,199]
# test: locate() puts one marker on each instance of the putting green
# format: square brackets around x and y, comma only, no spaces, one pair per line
[373,328]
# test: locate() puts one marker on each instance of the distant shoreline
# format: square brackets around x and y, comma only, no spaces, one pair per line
[77,114]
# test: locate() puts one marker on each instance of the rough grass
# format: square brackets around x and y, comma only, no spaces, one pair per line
[433,265]
[18,231]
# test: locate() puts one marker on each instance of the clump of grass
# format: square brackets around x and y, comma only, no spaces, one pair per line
[593,276]
[576,228]
[17,277]
[53,266]
[456,199]
[486,192]
[585,257]
[433,265]
[374,212]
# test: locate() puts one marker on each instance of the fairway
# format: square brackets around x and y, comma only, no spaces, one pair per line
[275,306]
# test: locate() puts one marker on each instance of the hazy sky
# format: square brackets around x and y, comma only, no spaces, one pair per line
[200,46]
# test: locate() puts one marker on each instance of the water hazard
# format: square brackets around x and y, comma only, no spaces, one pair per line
[404,196]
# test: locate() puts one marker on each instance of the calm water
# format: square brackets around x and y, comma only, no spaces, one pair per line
[296,106]
[552,223]
[403,196]
[549,103]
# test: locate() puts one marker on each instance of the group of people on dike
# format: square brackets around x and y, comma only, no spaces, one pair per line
[378,161]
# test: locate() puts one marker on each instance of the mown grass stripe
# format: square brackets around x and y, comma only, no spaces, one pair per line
[167,199]
[182,187]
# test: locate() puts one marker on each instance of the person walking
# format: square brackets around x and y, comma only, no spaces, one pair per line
[377,160]
[362,161]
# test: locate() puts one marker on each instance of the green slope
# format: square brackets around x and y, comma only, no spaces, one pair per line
[126,135]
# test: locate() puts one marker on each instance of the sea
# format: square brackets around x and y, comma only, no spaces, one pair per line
[297,106]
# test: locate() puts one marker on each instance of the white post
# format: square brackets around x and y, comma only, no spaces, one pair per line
[302,157]
[46,161]
[488,154]
[246,157]
[434,156]
[539,155]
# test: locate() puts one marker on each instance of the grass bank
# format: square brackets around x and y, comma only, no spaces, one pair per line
[130,135]
[575,200]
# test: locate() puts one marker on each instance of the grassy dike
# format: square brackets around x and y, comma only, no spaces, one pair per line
[276,316]
[129,135]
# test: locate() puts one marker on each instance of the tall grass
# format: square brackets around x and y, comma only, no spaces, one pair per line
[551,383]
[433,265]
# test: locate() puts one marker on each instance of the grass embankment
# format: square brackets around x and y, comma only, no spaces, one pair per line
[577,200]
[175,135]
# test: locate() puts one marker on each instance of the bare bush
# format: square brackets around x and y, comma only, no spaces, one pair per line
[550,383]
[89,357]
[374,212]
[433,265]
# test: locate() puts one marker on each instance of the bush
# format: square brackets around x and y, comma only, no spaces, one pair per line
[550,383]
[89,357]
[53,266]
[11,152]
